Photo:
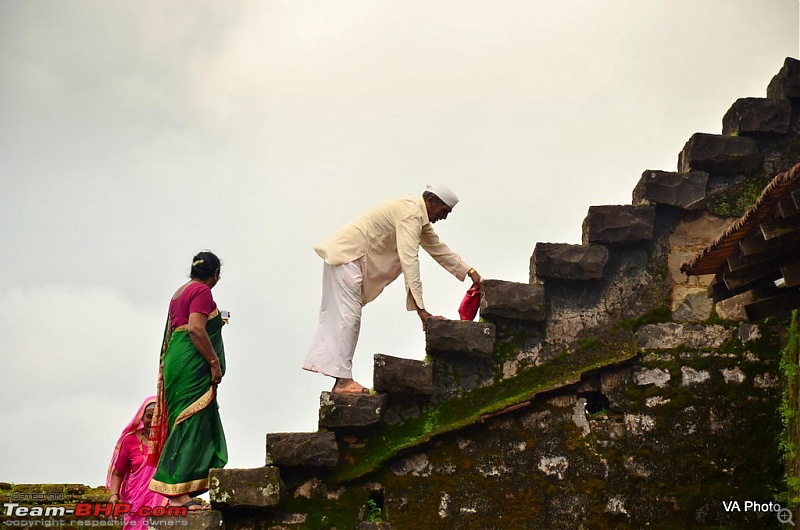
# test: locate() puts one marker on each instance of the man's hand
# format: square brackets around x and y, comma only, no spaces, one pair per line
[424,316]
[475,277]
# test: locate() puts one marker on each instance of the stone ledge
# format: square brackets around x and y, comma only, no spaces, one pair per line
[460,338]
[350,410]
[618,225]
[302,449]
[786,83]
[757,116]
[518,301]
[568,262]
[682,190]
[246,488]
[402,376]
[721,155]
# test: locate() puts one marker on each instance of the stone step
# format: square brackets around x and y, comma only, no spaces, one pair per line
[786,83]
[395,375]
[720,155]
[460,338]
[682,190]
[246,488]
[618,225]
[563,261]
[523,302]
[302,449]
[350,410]
[753,116]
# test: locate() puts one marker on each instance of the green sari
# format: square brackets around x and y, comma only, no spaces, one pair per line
[186,423]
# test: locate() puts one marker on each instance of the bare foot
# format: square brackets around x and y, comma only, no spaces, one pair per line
[348,386]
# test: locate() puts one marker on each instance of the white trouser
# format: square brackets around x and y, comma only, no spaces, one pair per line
[332,350]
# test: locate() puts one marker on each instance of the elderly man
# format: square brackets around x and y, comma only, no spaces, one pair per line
[364,257]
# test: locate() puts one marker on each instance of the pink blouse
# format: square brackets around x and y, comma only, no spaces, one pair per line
[131,454]
[195,298]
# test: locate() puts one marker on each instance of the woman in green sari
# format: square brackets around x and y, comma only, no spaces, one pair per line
[186,430]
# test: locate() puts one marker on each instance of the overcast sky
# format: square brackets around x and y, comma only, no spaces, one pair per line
[134,134]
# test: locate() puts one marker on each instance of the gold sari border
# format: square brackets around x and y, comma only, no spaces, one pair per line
[172,490]
[201,403]
[185,327]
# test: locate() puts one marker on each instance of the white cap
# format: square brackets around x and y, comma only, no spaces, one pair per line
[444,193]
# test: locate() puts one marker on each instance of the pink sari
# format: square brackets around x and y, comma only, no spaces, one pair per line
[130,460]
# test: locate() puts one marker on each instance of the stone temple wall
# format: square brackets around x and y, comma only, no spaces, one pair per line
[607,392]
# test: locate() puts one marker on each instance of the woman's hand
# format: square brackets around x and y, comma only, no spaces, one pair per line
[201,341]
[216,373]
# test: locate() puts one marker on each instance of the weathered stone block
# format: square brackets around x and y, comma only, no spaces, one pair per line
[309,449]
[749,332]
[690,376]
[460,338]
[618,225]
[258,488]
[568,262]
[733,308]
[350,410]
[786,83]
[519,301]
[690,304]
[722,155]
[683,190]
[757,115]
[656,376]
[670,335]
[402,376]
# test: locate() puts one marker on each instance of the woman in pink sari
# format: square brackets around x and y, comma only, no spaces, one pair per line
[129,474]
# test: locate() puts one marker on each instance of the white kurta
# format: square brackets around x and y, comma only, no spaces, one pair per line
[360,260]
[388,236]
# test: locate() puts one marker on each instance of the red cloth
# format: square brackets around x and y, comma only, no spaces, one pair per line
[470,304]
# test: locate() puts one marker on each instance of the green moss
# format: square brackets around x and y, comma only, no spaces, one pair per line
[328,513]
[735,201]
[467,409]
[659,314]
[789,441]
[373,513]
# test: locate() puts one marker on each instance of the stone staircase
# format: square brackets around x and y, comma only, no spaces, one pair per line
[580,314]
